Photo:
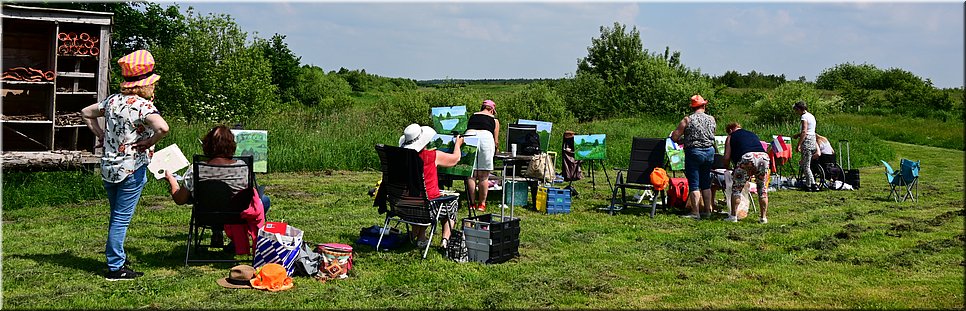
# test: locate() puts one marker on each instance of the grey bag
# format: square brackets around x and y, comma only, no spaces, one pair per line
[307,264]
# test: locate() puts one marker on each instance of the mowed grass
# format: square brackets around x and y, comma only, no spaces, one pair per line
[839,250]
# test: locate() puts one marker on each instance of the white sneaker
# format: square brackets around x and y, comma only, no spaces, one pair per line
[763,220]
[443,243]
[731,219]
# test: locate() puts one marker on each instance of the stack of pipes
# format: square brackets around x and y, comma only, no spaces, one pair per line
[72,43]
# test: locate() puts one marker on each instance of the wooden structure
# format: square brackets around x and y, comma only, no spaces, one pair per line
[41,123]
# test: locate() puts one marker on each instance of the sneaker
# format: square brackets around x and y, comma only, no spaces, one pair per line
[422,243]
[692,216]
[481,207]
[731,219]
[123,274]
[763,220]
[443,243]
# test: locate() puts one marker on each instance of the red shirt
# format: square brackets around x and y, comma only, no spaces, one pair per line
[429,173]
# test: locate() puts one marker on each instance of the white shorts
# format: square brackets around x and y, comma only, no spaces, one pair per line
[484,154]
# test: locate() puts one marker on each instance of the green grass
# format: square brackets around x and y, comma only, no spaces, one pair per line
[840,250]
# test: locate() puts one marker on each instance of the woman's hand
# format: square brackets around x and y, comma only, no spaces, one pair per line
[143,144]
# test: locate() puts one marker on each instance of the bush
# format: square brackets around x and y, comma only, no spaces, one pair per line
[315,88]
[535,102]
[776,107]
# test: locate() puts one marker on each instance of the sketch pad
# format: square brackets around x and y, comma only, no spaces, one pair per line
[169,159]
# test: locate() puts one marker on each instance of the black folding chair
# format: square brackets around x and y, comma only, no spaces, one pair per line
[403,189]
[646,154]
[215,204]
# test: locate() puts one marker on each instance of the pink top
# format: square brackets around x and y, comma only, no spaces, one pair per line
[430,178]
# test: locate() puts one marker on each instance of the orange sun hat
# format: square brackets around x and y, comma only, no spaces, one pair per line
[697,101]
[272,277]
[137,69]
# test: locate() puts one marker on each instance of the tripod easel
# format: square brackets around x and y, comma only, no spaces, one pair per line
[593,176]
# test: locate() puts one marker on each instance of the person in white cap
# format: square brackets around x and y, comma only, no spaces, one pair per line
[416,137]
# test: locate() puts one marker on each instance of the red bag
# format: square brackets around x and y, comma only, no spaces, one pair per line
[677,192]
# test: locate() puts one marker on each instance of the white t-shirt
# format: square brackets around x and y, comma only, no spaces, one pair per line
[825,147]
[809,123]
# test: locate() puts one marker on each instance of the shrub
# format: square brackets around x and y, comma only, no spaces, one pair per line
[776,107]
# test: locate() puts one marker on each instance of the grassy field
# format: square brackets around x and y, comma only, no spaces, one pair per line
[839,250]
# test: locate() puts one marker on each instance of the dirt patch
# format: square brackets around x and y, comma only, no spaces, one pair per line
[945,217]
[824,244]
[734,236]
[897,229]
[850,232]
[156,207]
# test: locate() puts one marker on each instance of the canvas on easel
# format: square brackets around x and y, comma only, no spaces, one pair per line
[170,159]
[468,150]
[255,144]
[590,147]
[543,130]
[449,119]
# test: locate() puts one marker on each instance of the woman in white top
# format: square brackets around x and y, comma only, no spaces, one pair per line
[806,144]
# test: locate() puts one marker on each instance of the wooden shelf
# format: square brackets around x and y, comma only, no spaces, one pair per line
[76,74]
[58,55]
[76,93]
[26,122]
[67,126]
[27,82]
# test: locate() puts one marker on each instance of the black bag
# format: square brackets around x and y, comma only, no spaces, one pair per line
[308,262]
[456,247]
[852,178]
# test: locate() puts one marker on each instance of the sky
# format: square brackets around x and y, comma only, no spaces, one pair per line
[506,40]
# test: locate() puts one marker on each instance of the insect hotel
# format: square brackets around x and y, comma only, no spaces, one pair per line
[55,62]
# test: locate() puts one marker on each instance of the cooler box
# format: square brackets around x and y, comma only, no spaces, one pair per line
[553,201]
[519,190]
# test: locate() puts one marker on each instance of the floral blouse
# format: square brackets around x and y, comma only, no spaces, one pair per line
[124,125]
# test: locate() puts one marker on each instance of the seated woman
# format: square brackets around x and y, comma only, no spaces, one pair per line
[219,146]
[825,152]
[416,137]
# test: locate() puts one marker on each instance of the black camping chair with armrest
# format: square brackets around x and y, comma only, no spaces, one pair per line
[215,204]
[402,194]
[646,154]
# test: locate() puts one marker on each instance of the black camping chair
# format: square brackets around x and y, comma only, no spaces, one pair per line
[646,154]
[215,204]
[403,189]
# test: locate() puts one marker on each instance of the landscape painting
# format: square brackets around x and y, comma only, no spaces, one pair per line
[449,119]
[590,147]
[464,167]
[255,144]
[543,130]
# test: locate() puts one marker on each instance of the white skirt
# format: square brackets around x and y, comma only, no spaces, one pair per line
[484,154]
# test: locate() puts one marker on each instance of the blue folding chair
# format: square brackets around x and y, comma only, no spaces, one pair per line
[909,171]
[895,180]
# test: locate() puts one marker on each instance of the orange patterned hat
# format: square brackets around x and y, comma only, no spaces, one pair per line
[272,277]
[137,69]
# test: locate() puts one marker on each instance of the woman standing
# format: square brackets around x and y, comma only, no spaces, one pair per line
[696,133]
[133,126]
[806,144]
[485,126]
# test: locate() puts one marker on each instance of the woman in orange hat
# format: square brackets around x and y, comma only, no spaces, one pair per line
[132,126]
[696,133]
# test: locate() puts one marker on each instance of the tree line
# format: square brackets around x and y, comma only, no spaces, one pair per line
[213,72]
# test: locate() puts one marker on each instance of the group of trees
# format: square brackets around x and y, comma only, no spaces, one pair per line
[211,71]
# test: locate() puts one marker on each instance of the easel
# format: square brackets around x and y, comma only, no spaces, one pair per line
[593,175]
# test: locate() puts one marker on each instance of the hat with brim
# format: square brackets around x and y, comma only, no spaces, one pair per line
[416,137]
[272,277]
[238,277]
[698,101]
[137,69]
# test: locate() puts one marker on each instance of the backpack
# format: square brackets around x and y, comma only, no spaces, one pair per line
[659,179]
[677,192]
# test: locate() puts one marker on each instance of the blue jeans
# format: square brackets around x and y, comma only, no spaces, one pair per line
[697,167]
[266,202]
[123,197]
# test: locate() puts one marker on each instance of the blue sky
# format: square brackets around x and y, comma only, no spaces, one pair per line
[492,40]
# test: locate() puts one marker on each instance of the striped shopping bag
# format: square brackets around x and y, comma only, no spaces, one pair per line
[278,248]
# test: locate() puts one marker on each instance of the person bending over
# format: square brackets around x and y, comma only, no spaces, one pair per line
[743,149]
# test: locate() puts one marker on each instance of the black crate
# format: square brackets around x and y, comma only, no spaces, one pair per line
[495,253]
[491,238]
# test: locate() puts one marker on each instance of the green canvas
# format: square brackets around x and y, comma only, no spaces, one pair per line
[590,147]
[449,119]
[255,144]
[464,167]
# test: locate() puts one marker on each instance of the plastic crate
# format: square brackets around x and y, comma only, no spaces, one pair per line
[553,200]
[491,238]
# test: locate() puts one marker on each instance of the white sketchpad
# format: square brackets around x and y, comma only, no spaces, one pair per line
[169,159]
